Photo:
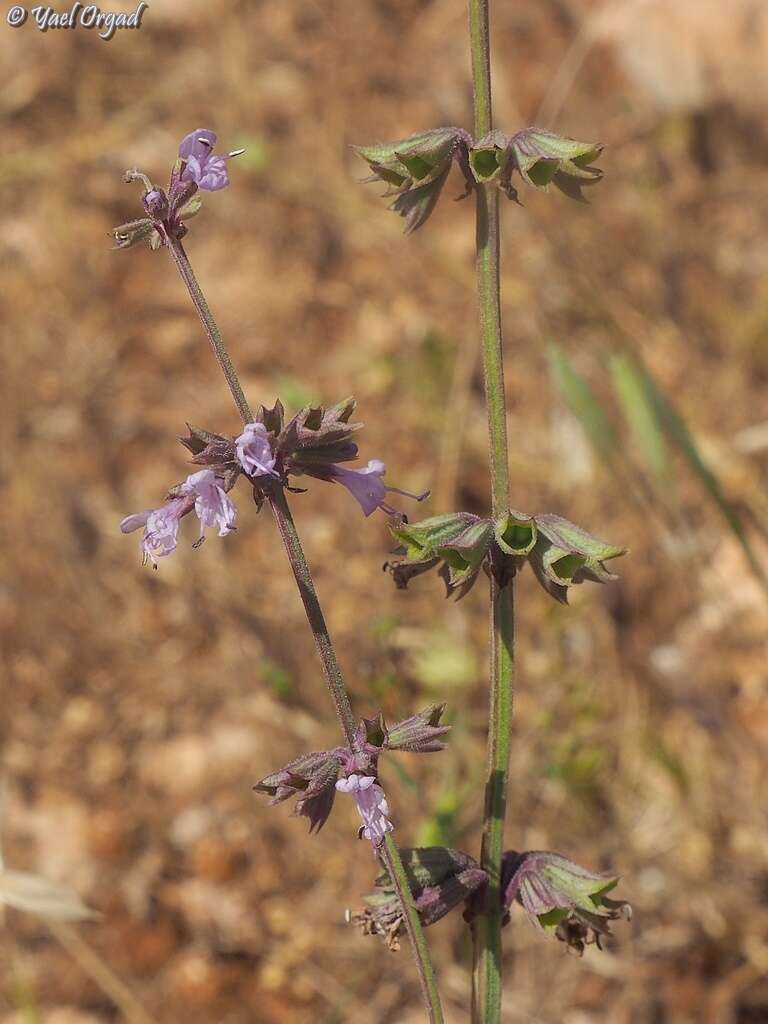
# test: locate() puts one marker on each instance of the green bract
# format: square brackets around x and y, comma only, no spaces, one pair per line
[561,554]
[561,897]
[416,168]
[540,157]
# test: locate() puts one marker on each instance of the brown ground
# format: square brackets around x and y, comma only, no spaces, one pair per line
[140,707]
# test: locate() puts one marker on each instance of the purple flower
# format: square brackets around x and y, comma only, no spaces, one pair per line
[201,492]
[212,505]
[161,528]
[209,172]
[368,488]
[371,805]
[254,452]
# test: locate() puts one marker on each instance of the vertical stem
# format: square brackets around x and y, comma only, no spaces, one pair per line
[391,857]
[316,619]
[487,975]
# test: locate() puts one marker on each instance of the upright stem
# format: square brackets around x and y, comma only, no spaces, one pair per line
[394,865]
[487,976]
[316,619]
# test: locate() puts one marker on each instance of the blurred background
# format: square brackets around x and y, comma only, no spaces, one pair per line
[140,707]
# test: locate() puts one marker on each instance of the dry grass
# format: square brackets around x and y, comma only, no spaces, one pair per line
[140,707]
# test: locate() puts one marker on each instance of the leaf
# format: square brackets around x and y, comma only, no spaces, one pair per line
[36,895]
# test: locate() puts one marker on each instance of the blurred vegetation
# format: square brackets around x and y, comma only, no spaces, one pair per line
[139,707]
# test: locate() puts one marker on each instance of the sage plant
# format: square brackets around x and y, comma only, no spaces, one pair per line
[417,886]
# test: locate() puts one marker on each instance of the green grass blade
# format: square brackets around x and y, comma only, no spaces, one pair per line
[678,432]
[582,402]
[641,414]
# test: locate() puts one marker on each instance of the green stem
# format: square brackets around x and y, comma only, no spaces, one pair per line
[316,619]
[394,865]
[487,975]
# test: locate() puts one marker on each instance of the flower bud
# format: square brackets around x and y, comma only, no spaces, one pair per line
[419,734]
[311,777]
[561,897]
[156,204]
[439,879]
[317,437]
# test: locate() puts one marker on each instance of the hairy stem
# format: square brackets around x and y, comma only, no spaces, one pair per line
[487,975]
[184,267]
[302,575]
[394,865]
[285,524]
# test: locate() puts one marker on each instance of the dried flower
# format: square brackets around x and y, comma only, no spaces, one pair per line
[201,492]
[561,897]
[254,451]
[415,169]
[561,554]
[439,879]
[371,805]
[207,171]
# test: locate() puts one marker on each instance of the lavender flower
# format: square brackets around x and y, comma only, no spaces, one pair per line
[254,452]
[367,487]
[202,492]
[161,528]
[212,505]
[371,805]
[208,172]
